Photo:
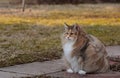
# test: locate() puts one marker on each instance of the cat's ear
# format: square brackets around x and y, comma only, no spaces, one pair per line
[80,29]
[76,27]
[66,26]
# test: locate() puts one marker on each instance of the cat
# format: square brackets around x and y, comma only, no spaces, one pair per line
[83,53]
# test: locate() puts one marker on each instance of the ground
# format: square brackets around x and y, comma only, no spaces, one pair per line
[56,69]
[34,35]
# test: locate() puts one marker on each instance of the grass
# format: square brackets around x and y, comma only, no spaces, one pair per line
[26,43]
[35,34]
[51,15]
[22,43]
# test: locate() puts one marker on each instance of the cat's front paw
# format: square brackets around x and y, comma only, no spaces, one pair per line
[81,72]
[69,70]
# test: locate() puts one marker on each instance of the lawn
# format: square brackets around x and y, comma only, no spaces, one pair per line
[51,15]
[35,34]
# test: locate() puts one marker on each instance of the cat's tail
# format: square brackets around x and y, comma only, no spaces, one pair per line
[114,63]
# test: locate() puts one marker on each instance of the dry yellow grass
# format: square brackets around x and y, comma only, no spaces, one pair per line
[51,15]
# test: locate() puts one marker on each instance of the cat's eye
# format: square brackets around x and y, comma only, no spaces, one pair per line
[71,33]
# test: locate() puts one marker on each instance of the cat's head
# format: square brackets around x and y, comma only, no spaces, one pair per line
[71,32]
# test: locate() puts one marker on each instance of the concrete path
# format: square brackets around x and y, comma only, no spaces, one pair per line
[32,69]
[52,68]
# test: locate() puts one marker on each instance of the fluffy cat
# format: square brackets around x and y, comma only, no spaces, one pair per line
[83,53]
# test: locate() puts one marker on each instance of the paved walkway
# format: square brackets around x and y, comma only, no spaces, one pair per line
[53,68]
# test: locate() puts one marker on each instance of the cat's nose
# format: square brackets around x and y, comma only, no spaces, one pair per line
[67,37]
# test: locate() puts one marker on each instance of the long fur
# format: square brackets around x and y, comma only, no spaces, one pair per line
[95,56]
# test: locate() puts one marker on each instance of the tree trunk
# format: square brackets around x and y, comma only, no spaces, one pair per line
[23,5]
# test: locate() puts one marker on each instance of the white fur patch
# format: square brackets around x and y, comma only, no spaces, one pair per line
[82,72]
[68,47]
[74,64]
[69,70]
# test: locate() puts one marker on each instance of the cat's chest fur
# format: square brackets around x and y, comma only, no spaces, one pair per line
[68,48]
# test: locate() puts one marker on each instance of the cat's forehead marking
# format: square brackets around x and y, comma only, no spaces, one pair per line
[70,30]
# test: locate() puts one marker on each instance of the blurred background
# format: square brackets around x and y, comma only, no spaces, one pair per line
[58,1]
[30,29]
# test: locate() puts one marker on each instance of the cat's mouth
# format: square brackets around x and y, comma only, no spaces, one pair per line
[70,39]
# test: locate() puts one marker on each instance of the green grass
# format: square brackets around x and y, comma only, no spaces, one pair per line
[23,43]
[35,34]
